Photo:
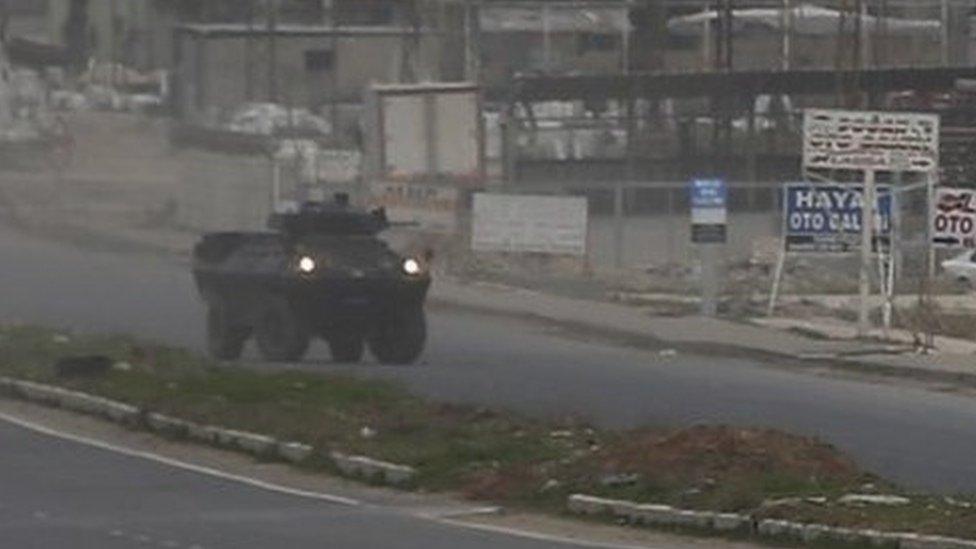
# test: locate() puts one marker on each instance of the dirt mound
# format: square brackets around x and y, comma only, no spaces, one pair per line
[725,453]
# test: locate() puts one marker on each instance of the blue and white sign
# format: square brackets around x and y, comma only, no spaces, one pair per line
[708,212]
[708,193]
[826,218]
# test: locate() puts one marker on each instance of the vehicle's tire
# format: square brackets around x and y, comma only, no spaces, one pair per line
[400,337]
[225,338]
[347,348]
[280,334]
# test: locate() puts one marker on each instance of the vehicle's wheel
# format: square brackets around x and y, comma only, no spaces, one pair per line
[225,339]
[347,348]
[280,334]
[400,337]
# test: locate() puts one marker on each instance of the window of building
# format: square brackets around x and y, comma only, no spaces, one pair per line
[319,60]
[597,42]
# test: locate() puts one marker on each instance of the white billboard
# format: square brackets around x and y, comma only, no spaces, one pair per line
[554,225]
[954,218]
[870,140]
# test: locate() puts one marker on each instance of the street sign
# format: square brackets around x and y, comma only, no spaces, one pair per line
[870,140]
[954,218]
[826,218]
[708,211]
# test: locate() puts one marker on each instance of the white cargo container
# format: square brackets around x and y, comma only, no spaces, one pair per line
[425,132]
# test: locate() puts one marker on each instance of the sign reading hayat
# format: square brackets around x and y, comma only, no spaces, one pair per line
[826,218]
[954,218]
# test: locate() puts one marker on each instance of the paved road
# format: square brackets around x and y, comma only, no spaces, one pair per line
[921,438]
[58,493]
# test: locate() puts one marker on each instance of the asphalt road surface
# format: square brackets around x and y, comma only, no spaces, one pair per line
[59,493]
[922,439]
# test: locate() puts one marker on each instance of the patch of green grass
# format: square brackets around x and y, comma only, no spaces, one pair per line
[486,454]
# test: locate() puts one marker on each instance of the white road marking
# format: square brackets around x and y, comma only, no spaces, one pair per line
[340,500]
[538,536]
[513,532]
[40,515]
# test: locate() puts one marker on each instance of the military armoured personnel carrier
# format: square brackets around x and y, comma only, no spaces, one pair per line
[320,271]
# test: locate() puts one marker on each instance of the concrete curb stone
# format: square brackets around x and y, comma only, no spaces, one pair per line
[370,468]
[915,541]
[202,433]
[294,452]
[38,392]
[166,424]
[653,514]
[81,402]
[664,515]
[226,437]
[258,445]
[121,412]
[589,505]
[731,522]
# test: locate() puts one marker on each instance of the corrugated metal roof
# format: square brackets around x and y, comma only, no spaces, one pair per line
[807,19]
[559,18]
[239,29]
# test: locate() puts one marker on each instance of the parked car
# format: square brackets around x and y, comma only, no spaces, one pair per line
[962,268]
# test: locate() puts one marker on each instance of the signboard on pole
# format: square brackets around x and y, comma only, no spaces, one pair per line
[870,140]
[826,218]
[708,211]
[519,223]
[954,218]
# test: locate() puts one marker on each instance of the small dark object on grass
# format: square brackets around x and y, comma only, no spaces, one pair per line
[76,366]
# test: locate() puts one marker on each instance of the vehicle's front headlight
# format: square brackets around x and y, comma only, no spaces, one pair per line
[306,265]
[411,266]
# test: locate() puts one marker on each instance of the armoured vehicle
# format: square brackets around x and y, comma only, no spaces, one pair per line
[320,271]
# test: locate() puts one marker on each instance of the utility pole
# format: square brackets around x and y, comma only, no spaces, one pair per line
[879,49]
[334,95]
[249,52]
[706,46]
[728,19]
[944,28]
[867,239]
[272,15]
[786,24]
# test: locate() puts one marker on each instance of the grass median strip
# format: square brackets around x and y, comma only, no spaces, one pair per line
[484,454]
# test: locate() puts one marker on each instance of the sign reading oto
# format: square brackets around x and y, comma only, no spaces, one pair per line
[954,218]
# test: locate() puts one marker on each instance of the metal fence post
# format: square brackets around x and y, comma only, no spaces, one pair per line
[618,225]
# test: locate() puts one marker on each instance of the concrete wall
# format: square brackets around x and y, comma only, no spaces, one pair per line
[224,192]
[666,239]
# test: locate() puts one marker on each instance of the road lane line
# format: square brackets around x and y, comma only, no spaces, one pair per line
[340,500]
[538,536]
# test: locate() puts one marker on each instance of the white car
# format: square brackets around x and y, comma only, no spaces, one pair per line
[962,268]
